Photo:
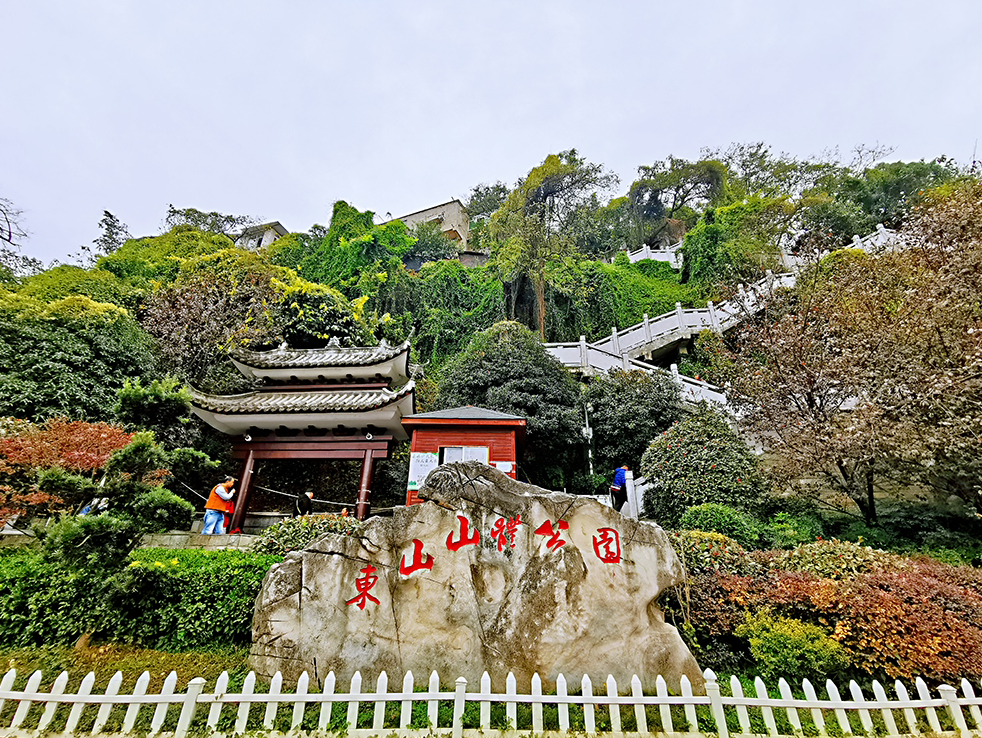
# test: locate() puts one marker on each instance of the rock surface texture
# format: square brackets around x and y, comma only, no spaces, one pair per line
[488,574]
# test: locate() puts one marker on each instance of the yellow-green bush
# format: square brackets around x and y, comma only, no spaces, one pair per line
[789,648]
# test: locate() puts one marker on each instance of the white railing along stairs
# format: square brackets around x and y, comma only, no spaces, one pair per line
[620,349]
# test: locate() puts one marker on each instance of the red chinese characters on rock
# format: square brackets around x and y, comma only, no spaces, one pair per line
[465,539]
[503,531]
[610,542]
[418,562]
[554,543]
[364,585]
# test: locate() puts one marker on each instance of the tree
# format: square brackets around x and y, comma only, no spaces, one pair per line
[431,244]
[162,406]
[628,410]
[505,368]
[484,199]
[533,226]
[868,375]
[311,315]
[674,190]
[67,357]
[699,460]
[12,232]
[211,222]
[735,242]
[887,192]
[754,170]
[138,505]
[114,234]
[51,466]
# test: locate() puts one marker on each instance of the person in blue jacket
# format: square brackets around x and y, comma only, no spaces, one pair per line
[618,488]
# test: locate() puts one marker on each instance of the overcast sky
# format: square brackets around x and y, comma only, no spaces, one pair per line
[276,110]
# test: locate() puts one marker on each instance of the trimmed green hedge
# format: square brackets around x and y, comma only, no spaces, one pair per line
[170,600]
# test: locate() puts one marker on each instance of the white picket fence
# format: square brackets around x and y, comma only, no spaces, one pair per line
[756,714]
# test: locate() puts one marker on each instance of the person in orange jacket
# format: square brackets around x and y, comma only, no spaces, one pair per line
[218,502]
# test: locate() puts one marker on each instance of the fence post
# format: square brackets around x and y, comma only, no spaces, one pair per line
[647,329]
[950,696]
[681,316]
[458,706]
[716,703]
[584,356]
[615,340]
[195,687]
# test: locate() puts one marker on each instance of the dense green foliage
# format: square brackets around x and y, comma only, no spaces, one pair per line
[170,600]
[136,505]
[98,285]
[735,242]
[716,518]
[505,368]
[161,406]
[293,534]
[67,357]
[629,410]
[142,261]
[785,530]
[701,459]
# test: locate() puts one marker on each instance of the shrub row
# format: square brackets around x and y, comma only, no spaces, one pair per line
[829,608]
[167,600]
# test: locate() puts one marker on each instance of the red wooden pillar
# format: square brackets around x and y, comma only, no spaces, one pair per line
[242,499]
[362,506]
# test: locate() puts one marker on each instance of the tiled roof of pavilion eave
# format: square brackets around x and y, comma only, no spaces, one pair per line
[299,402]
[331,356]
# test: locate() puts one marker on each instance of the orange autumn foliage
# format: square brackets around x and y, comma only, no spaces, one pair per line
[73,445]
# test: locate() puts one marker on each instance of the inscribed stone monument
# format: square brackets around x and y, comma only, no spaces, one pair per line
[488,574]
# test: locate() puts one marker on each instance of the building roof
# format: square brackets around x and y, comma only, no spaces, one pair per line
[432,207]
[330,362]
[294,401]
[236,414]
[467,412]
[283,357]
[274,225]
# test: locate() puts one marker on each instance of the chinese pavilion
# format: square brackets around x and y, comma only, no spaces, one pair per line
[329,403]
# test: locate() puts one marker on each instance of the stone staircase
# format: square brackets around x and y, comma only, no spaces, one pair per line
[622,348]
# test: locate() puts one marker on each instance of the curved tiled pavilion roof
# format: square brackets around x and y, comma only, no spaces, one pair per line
[332,362]
[236,414]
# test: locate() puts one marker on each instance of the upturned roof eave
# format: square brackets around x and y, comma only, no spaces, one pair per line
[253,359]
[386,414]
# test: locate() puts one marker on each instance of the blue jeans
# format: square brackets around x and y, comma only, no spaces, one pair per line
[214,523]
